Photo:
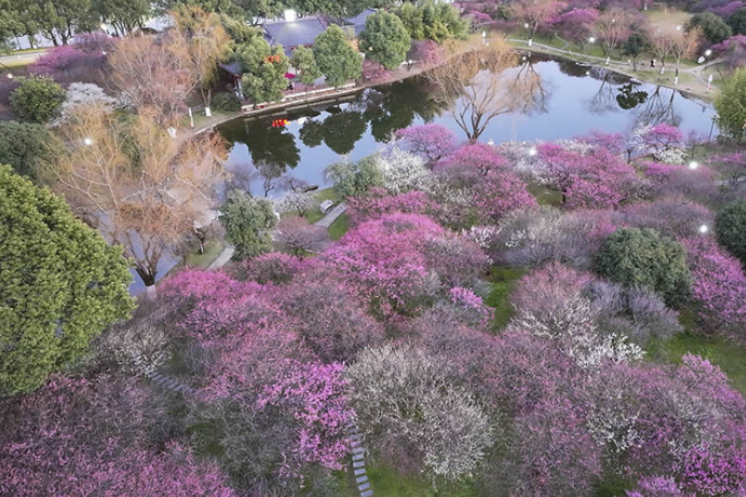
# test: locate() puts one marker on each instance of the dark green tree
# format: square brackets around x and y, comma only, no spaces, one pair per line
[730,227]
[60,284]
[385,39]
[264,69]
[60,20]
[312,133]
[714,29]
[27,146]
[124,15]
[636,45]
[37,99]
[737,21]
[351,179]
[247,222]
[730,105]
[643,257]
[336,58]
[304,61]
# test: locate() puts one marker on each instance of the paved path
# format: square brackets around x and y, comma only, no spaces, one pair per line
[332,215]
[223,258]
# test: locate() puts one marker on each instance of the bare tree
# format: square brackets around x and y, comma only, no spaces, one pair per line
[533,13]
[296,234]
[613,27]
[484,79]
[153,72]
[662,46]
[140,188]
[684,45]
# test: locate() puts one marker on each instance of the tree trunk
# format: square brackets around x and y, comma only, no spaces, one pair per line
[147,275]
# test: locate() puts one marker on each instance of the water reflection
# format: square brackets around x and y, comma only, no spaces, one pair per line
[567,99]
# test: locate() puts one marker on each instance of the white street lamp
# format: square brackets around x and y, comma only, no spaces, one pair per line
[532,151]
[10,75]
[703,229]
[708,52]
[87,142]
[693,165]
[592,39]
[679,28]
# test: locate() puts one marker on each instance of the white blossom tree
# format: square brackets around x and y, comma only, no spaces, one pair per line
[402,171]
[83,95]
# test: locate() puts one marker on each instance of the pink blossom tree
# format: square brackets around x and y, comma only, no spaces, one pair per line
[719,285]
[426,52]
[576,25]
[431,141]
[378,202]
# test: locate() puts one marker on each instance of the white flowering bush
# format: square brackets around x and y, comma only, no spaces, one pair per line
[402,171]
[83,95]
[405,398]
[295,202]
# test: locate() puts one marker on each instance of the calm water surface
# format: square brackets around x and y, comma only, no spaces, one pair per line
[574,100]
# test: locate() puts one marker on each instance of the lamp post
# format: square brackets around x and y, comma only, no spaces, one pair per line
[532,152]
[693,165]
[703,229]
[591,41]
[530,36]
[87,141]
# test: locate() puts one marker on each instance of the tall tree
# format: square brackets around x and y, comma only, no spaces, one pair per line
[684,45]
[204,42]
[263,69]
[26,147]
[731,105]
[385,39]
[138,186]
[336,58]
[304,61]
[59,20]
[124,16]
[60,284]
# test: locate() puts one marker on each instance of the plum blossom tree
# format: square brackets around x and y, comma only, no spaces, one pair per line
[534,14]
[719,285]
[417,415]
[577,24]
[431,141]
[657,486]
[295,202]
[272,267]
[613,27]
[378,202]
[402,171]
[298,235]
[426,52]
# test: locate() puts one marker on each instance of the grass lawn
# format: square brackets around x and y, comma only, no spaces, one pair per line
[339,227]
[213,248]
[503,279]
[387,482]
[667,18]
[326,194]
[545,196]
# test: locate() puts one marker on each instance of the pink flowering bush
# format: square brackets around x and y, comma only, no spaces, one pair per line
[476,159]
[272,267]
[378,202]
[576,24]
[314,395]
[383,264]
[500,193]
[596,179]
[719,285]
[88,437]
[673,215]
[466,307]
[670,179]
[210,304]
[431,141]
[657,486]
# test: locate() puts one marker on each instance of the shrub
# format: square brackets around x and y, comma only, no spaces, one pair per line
[713,27]
[28,147]
[37,99]
[643,257]
[730,227]
[354,178]
[272,267]
[227,102]
[730,103]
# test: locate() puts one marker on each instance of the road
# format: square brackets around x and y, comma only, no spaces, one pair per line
[21,58]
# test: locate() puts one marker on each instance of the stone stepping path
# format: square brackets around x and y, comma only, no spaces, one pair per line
[358,461]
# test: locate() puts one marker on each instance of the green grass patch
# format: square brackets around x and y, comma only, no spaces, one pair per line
[545,196]
[213,248]
[315,214]
[387,482]
[503,280]
[339,227]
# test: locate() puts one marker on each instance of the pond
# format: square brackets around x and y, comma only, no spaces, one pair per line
[572,100]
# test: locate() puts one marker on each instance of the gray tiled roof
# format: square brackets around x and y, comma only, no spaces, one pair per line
[360,18]
[295,33]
